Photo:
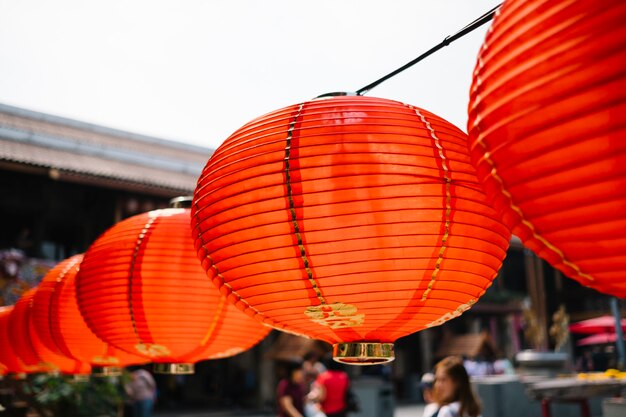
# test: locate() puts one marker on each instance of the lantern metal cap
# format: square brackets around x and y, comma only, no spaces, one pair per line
[181,202]
[106,371]
[174,368]
[334,94]
[363,353]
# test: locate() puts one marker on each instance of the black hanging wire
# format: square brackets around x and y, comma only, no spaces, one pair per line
[447,41]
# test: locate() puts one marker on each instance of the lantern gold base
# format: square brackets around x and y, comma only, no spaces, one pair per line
[104,371]
[174,368]
[363,353]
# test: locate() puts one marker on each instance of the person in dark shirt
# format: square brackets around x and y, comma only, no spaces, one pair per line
[291,391]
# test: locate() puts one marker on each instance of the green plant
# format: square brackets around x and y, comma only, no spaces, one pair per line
[58,395]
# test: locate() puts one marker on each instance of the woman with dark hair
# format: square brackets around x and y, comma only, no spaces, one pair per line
[453,393]
[290,392]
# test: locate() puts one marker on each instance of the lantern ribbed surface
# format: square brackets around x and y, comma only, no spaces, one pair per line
[60,326]
[547,132]
[347,219]
[141,288]
[8,356]
[28,345]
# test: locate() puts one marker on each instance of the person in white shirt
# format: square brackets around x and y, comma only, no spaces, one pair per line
[453,393]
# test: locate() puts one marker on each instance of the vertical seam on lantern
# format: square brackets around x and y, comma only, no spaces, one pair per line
[494,173]
[59,282]
[28,310]
[448,211]
[218,313]
[217,271]
[140,240]
[292,207]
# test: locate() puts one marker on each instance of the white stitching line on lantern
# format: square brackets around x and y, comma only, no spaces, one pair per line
[448,212]
[55,291]
[494,173]
[41,364]
[149,349]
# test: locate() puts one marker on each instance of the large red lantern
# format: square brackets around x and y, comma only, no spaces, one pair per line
[8,357]
[354,220]
[62,329]
[141,288]
[28,346]
[547,132]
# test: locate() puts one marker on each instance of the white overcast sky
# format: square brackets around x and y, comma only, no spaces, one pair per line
[196,70]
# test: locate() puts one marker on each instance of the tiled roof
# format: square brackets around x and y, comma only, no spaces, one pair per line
[107,156]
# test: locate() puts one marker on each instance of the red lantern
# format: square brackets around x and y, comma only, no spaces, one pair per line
[546,125]
[60,326]
[140,287]
[8,357]
[28,345]
[354,220]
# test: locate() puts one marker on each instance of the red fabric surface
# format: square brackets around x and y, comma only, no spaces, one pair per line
[61,327]
[546,126]
[333,218]
[141,288]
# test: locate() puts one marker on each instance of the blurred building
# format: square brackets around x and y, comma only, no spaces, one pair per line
[63,182]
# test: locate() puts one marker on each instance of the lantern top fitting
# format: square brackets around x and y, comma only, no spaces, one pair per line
[181,202]
[335,94]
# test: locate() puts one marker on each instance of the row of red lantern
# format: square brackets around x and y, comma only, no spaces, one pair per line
[359,220]
[143,297]
[351,219]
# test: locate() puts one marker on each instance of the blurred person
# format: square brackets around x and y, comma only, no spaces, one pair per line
[312,367]
[453,395]
[290,392]
[599,359]
[426,386]
[332,389]
[141,389]
[585,362]
[478,367]
[503,367]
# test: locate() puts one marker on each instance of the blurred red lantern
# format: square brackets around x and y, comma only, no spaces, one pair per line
[354,220]
[61,328]
[546,126]
[8,357]
[141,288]
[28,346]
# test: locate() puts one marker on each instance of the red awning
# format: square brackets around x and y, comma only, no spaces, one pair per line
[602,324]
